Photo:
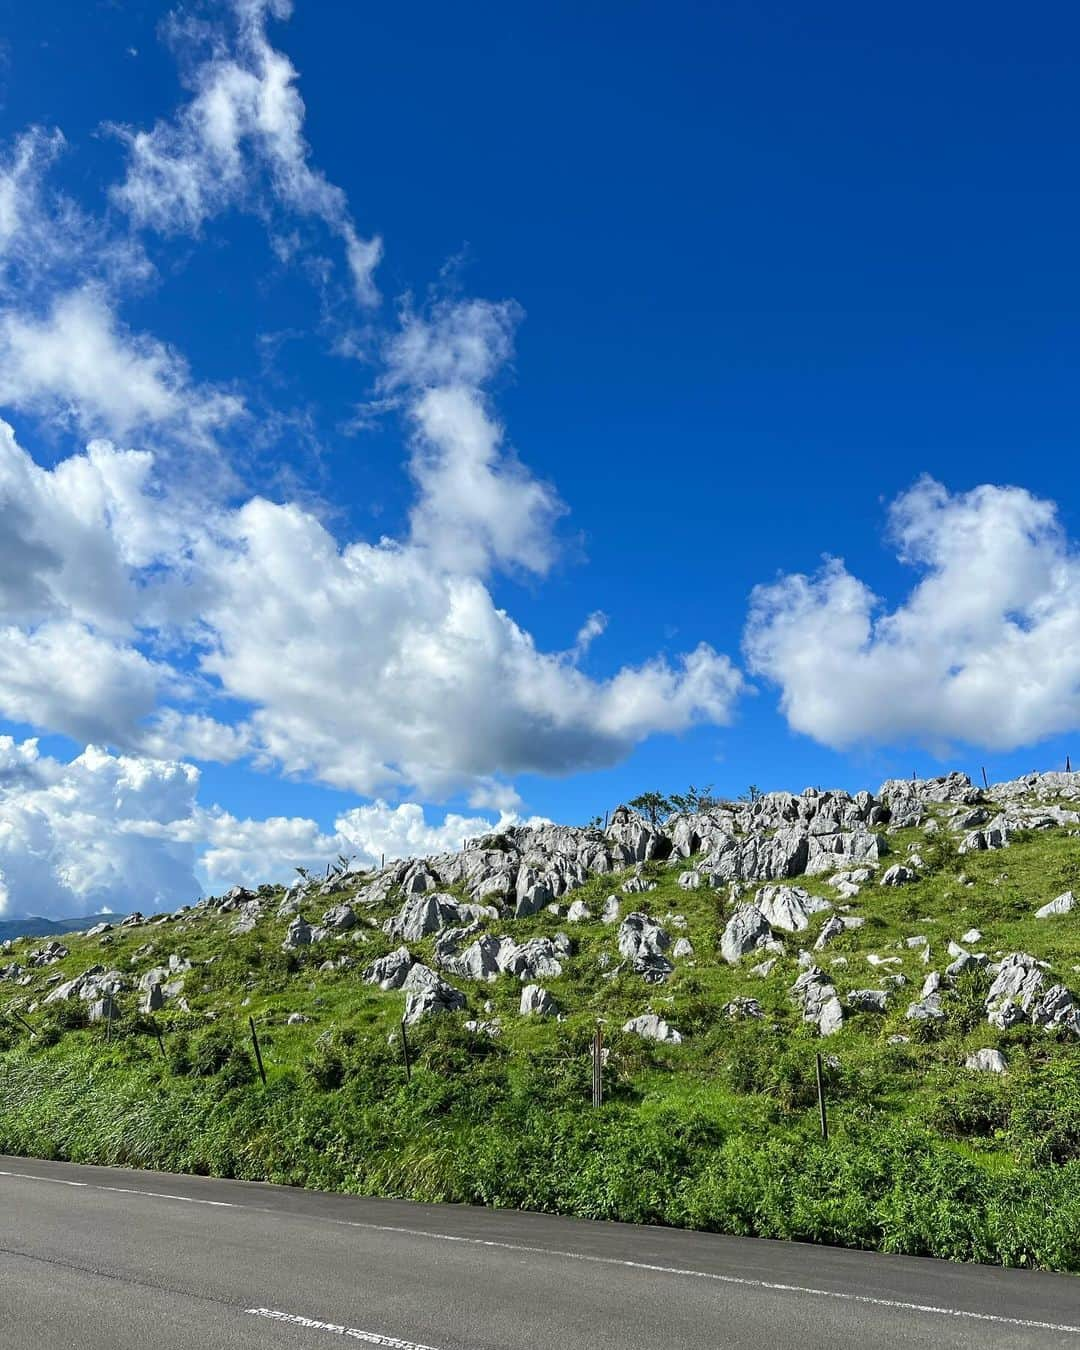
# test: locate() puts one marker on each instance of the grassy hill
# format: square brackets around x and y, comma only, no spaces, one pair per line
[717,1131]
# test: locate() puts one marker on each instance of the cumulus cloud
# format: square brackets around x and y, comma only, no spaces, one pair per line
[239,140]
[985,649]
[478,506]
[93,833]
[420,680]
[145,606]
[367,666]
[123,832]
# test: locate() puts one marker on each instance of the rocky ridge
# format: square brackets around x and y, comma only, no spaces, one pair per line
[784,871]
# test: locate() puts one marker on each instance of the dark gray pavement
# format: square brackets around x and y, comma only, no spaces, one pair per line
[108,1259]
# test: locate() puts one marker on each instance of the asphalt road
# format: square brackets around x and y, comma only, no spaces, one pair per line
[105,1259]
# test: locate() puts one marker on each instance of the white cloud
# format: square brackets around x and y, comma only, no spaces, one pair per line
[365,666]
[46,240]
[137,602]
[984,650]
[20,178]
[241,133]
[371,669]
[64,677]
[78,365]
[126,832]
[79,837]
[593,627]
[403,831]
[478,506]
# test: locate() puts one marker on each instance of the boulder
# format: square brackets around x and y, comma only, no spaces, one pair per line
[745,931]
[427,995]
[755,857]
[868,1000]
[987,1061]
[611,910]
[539,958]
[1017,987]
[683,947]
[652,1028]
[643,943]
[389,972]
[478,961]
[537,1002]
[789,907]
[340,918]
[814,993]
[103,1009]
[579,912]
[831,852]
[298,935]
[423,913]
[898,875]
[1057,1011]
[152,1000]
[833,927]
[742,1008]
[1064,904]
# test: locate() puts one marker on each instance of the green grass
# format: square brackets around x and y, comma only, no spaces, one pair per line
[718,1133]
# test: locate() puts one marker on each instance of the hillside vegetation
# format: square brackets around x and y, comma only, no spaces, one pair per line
[720,951]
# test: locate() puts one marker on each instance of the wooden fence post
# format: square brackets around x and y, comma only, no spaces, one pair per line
[821,1101]
[598,1068]
[258,1052]
[405,1053]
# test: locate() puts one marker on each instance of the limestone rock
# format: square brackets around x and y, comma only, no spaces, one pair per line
[987,1061]
[643,943]
[298,935]
[652,1028]
[898,875]
[537,1002]
[868,1000]
[789,907]
[1064,904]
[389,972]
[745,931]
[427,994]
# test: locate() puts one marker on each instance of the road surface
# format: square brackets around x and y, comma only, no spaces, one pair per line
[106,1259]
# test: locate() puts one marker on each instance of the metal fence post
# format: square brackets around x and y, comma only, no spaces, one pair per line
[258,1052]
[821,1100]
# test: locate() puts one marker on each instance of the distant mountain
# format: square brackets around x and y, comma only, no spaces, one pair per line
[35,927]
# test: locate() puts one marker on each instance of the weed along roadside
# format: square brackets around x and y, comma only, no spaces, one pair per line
[832,1018]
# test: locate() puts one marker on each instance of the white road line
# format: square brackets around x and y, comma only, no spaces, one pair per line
[124,1190]
[350,1333]
[741,1281]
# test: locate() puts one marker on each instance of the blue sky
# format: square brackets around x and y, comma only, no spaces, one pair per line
[669,303]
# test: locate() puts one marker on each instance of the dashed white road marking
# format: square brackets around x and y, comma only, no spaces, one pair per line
[741,1281]
[350,1333]
[124,1190]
